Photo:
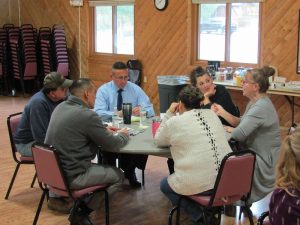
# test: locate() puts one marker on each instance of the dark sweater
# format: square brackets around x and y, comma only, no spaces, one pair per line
[35,119]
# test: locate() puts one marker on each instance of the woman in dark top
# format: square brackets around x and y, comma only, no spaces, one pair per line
[212,94]
[201,79]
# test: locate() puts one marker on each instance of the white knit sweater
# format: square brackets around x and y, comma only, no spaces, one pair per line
[198,144]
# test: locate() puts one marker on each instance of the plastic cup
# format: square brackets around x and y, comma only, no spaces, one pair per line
[155,126]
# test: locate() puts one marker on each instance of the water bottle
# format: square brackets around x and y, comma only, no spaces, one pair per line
[115,118]
[143,114]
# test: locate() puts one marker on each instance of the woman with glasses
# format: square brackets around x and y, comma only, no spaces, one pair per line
[257,130]
[212,93]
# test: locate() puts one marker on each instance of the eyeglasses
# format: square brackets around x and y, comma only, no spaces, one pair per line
[248,82]
[121,78]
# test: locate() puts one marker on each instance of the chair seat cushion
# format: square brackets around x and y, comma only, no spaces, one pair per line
[205,199]
[26,159]
[78,193]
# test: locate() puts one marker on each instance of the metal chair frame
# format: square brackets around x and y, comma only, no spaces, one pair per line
[19,160]
[218,198]
[47,158]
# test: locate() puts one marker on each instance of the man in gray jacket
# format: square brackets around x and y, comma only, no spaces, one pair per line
[76,132]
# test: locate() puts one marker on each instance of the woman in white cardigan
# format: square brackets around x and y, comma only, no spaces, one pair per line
[198,144]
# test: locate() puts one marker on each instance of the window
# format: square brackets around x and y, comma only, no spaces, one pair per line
[114,29]
[229,32]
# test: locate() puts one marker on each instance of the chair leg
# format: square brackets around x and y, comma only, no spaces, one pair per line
[37,214]
[106,202]
[33,180]
[171,214]
[250,214]
[143,177]
[12,181]
[205,220]
[75,206]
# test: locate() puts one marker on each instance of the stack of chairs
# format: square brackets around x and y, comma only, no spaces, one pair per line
[45,52]
[60,50]
[7,68]
[22,42]
[14,56]
[28,53]
[3,62]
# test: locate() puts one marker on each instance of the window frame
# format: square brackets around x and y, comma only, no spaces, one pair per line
[195,36]
[92,33]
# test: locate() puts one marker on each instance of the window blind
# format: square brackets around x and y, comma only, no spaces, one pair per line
[110,2]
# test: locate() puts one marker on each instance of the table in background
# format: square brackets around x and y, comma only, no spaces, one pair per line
[289,94]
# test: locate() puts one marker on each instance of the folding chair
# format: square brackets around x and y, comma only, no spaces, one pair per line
[12,124]
[47,159]
[262,220]
[233,183]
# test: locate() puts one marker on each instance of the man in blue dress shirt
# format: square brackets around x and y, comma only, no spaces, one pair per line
[110,97]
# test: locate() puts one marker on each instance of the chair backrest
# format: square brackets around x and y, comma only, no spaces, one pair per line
[13,121]
[264,219]
[48,169]
[135,71]
[234,180]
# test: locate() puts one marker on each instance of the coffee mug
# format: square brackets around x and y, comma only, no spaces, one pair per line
[127,111]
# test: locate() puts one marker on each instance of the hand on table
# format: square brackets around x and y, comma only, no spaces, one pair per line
[136,111]
[124,131]
[112,129]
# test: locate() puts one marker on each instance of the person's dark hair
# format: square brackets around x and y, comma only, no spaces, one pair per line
[79,86]
[261,76]
[119,66]
[191,97]
[197,72]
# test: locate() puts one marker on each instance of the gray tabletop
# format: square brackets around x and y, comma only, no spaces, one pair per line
[142,142]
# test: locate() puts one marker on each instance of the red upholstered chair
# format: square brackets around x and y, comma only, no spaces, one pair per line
[47,159]
[233,183]
[12,124]
[263,220]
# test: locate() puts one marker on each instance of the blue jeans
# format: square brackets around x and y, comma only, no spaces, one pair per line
[193,209]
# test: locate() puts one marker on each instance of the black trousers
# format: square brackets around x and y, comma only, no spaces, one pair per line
[127,162]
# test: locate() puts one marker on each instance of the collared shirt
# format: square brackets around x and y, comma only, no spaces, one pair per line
[107,96]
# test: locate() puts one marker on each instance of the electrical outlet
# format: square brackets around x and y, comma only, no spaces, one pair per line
[145,79]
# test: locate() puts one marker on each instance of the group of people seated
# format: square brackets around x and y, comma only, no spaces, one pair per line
[193,128]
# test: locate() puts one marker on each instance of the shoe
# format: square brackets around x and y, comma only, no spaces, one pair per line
[80,219]
[133,180]
[230,210]
[60,205]
[81,215]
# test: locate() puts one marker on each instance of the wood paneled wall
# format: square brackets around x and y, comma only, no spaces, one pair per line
[162,40]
